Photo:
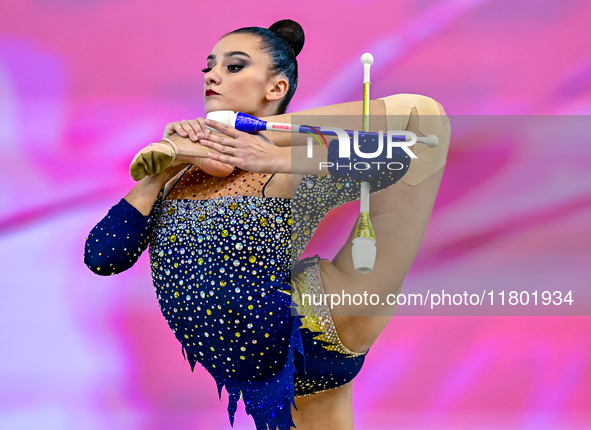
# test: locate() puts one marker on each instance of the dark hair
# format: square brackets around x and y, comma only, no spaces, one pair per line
[283,41]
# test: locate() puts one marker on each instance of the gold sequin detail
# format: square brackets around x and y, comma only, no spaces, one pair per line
[316,318]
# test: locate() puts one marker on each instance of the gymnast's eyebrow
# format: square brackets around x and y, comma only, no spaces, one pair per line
[229,54]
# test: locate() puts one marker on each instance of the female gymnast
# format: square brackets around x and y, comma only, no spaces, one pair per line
[224,249]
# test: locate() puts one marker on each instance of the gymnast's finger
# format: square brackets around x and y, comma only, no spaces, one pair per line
[176,127]
[195,128]
[223,158]
[219,139]
[169,130]
[202,127]
[221,147]
[188,128]
[223,128]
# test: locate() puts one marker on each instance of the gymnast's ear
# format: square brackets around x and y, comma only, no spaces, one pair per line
[278,88]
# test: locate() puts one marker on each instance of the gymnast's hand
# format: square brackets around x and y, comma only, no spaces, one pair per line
[186,128]
[252,152]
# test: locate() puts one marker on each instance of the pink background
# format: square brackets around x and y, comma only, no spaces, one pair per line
[85,84]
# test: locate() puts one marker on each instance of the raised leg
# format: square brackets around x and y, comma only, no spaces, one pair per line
[399,215]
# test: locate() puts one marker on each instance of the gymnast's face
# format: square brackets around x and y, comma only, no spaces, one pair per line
[238,78]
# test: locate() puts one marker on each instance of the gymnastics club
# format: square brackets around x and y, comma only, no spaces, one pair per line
[250,124]
[363,250]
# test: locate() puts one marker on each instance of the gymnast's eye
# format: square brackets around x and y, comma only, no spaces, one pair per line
[233,68]
[206,70]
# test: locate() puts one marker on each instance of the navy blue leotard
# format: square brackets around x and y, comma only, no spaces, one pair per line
[224,261]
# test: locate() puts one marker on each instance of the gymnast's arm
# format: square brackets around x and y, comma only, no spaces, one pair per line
[288,154]
[118,240]
[343,115]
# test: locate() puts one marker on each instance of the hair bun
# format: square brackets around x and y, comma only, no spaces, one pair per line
[291,32]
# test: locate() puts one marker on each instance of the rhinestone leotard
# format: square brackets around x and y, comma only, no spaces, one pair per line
[220,262]
[213,262]
[223,257]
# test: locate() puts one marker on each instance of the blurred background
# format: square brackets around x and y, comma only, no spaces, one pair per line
[85,84]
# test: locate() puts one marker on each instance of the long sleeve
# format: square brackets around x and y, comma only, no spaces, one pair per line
[119,239]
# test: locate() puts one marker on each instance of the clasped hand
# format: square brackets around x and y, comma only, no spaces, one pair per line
[252,152]
[186,128]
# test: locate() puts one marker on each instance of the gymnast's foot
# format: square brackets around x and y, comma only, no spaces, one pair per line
[157,157]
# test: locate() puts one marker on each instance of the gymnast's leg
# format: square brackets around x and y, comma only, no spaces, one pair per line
[327,410]
[399,219]
[399,215]
[333,408]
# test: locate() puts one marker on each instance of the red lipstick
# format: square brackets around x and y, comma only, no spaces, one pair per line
[210,93]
